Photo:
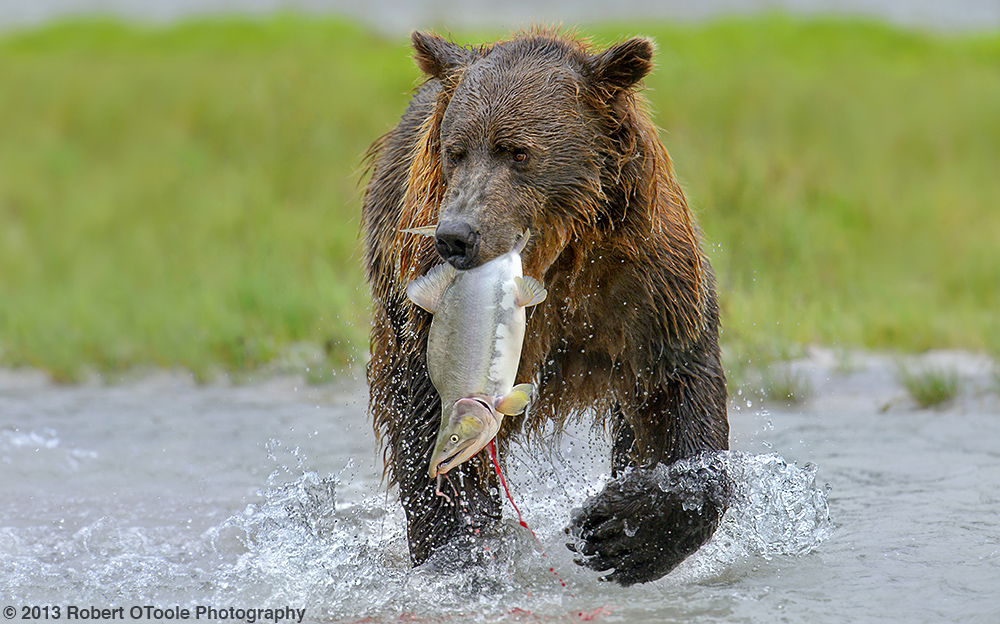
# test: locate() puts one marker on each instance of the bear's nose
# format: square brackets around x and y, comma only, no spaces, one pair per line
[457,243]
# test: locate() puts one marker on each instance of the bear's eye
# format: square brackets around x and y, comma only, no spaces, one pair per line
[520,155]
[455,156]
[454,438]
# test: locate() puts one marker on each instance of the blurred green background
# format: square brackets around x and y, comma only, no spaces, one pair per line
[189,195]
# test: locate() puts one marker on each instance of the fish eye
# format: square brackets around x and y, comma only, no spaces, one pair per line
[454,438]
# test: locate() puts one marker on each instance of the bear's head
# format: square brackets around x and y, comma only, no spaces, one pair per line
[540,133]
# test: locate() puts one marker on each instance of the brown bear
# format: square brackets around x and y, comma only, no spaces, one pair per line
[544,133]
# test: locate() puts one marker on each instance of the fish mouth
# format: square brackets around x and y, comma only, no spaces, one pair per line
[451,460]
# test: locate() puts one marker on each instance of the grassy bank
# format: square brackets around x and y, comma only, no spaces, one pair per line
[189,196]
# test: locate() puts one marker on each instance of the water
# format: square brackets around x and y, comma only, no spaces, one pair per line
[165,494]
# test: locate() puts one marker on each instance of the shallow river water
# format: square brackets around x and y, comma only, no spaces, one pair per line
[165,494]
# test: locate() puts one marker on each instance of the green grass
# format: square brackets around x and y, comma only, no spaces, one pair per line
[186,196]
[845,174]
[189,195]
[929,387]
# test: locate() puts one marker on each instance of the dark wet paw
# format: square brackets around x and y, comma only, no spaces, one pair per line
[646,522]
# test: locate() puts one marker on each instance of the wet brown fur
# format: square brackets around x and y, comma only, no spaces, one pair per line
[630,326]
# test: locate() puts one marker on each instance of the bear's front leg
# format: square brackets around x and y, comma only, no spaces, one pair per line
[648,520]
[465,505]
[453,518]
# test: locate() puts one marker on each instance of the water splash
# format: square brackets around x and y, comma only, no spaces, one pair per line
[299,546]
[778,506]
[776,510]
[336,545]
[350,559]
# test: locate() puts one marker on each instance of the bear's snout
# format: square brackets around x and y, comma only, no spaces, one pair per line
[458,243]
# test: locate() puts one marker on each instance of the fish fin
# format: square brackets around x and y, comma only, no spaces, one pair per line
[515,402]
[522,241]
[529,291]
[525,388]
[426,230]
[427,291]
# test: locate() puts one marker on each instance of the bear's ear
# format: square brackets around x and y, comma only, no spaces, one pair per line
[622,66]
[435,56]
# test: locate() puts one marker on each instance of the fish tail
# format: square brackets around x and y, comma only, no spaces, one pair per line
[426,230]
[522,241]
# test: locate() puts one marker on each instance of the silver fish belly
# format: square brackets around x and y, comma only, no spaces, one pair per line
[474,344]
